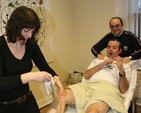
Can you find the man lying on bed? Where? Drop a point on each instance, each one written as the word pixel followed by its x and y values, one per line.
pixel 104 92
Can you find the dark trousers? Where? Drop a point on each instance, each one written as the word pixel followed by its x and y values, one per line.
pixel 28 106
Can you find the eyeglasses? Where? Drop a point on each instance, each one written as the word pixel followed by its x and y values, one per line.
pixel 116 26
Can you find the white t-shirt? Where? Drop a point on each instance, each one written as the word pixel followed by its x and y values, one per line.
pixel 109 73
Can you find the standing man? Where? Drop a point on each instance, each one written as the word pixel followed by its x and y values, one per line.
pixel 131 48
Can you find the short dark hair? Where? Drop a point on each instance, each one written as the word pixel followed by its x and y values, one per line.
pixel 116 39
pixel 22 17
pixel 116 18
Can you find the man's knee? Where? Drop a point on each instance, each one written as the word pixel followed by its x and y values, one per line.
pixel 98 107
pixel 67 97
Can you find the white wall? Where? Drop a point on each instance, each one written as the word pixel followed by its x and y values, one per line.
pixel 62 12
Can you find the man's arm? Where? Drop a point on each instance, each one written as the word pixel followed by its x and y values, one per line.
pixel 98 47
pixel 136 44
pixel 90 72
pixel 123 82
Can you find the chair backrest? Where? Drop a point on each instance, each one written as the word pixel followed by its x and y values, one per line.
pixel 129 94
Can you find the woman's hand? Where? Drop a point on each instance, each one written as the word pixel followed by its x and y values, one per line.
pixel 39 76
pixel 42 76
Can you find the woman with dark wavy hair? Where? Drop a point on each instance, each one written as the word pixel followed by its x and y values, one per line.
pixel 18 47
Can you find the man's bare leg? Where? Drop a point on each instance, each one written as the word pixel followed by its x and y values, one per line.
pixel 66 98
pixel 99 107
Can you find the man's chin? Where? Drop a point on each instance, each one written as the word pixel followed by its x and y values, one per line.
pixel 116 34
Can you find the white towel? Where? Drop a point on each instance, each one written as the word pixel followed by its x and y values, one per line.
pixel 49 88
pixel 51 91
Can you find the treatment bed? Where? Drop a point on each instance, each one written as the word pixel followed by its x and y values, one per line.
pixel 128 95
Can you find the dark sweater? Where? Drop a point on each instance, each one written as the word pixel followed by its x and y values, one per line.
pixel 11 68
pixel 131 45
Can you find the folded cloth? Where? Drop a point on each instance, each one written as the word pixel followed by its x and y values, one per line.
pixel 51 90
pixel 97 91
pixel 49 87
